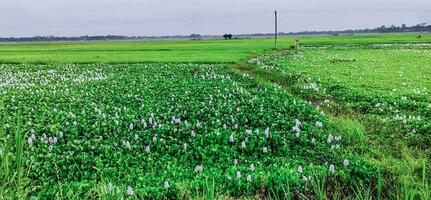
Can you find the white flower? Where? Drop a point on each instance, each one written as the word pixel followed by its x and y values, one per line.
pixel 231 139
pixel 300 169
pixel 50 148
pixel 266 132
pixel 136 137
pixel 238 174
pixel 130 191
pixel 126 143
pixel 32 131
pixel 144 123
pixel 177 120
pixel 248 178
pixel 248 131
pixel 243 144
pixel 199 168
pixel 297 123
pixel 147 149
pixel 331 168
pixel 30 141
pixel 110 187
pixel 265 150
pixel 319 124
pixel 155 138
pixel 224 126
pixel 235 161
pixel 166 184
pixel 296 129
pixel 60 134
pixel 43 139
pixel 330 138
pixel 304 178
pixel 131 126
pixel 252 167
pixel 346 162
pixel 185 145
pixel 52 140
pixel 75 123
pixel 193 134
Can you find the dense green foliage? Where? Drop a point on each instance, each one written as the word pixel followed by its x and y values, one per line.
pixel 354 122
pixel 391 82
pixel 378 96
pixel 93 127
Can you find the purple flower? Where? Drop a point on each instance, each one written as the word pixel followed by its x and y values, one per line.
pixel 238 174
pixel 130 191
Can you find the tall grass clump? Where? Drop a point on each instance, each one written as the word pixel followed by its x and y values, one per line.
pixel 12 179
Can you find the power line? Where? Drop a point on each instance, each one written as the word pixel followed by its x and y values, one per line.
pixel 147 20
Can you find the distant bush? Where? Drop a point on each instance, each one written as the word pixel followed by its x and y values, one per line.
pixel 227 36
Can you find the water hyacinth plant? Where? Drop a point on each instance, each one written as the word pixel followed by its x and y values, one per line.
pixel 376 95
pixel 159 127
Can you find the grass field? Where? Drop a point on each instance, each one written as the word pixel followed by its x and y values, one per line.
pixel 343 117
pixel 205 51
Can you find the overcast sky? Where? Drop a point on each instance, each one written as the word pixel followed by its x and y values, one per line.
pixel 183 17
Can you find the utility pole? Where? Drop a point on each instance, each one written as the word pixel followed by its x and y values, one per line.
pixel 276 30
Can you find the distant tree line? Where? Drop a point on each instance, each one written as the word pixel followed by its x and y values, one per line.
pixel 383 29
pixel 227 36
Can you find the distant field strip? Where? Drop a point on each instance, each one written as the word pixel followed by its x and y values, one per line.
pixel 197 51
